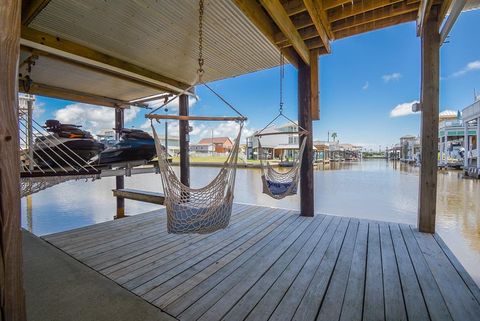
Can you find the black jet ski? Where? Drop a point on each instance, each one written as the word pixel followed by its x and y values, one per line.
pixel 134 146
pixel 66 145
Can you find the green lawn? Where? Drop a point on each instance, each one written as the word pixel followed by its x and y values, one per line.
pixel 212 159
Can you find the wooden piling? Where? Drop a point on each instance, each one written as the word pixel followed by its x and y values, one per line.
pixel 305 120
pixel 184 141
pixel 12 298
pixel 430 44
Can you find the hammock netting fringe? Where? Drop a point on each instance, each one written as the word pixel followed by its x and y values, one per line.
pixel 202 210
pixel 32 185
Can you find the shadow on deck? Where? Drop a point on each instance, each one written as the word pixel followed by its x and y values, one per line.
pixel 273 264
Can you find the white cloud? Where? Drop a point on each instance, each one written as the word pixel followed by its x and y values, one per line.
pixel 38 110
pixel 404 109
pixel 471 66
pixel 393 76
pixel 365 87
pixel 93 118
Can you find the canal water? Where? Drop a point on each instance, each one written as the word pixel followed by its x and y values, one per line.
pixel 373 189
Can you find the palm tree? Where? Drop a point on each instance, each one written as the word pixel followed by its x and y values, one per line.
pixel 334 136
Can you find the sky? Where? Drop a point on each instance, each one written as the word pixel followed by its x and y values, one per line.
pixel 367 86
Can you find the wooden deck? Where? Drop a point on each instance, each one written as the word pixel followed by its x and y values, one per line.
pixel 272 264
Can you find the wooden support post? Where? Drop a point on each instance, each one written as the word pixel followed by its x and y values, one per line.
pixel 427 198
pixel 184 141
pixel 314 84
pixel 119 180
pixel 12 298
pixel 305 121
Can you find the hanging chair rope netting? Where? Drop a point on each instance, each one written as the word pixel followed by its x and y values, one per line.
pixel 201 210
pixel 280 184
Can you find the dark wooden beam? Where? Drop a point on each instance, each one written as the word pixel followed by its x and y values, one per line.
pixel 307 197
pixel 255 13
pixel 396 9
pixel 101 60
pixel 319 18
pixel 314 84
pixel 69 94
pixel 12 297
pixel 378 24
pixel 31 9
pixel 184 134
pixel 429 100
pixel 282 20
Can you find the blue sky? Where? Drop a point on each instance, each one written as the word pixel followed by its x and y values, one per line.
pixel 361 81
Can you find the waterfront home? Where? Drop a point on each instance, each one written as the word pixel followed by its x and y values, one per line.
pixel 471 119
pixel 220 145
pixel 279 147
pixel 410 148
pixel 451 138
pixel 270 263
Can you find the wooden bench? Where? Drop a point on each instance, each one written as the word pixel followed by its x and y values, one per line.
pixel 138 195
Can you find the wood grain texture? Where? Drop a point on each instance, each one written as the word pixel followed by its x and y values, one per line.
pixel 12 299
pixel 272 264
pixel 430 81
pixel 307 199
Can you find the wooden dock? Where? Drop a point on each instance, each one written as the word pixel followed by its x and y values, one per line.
pixel 272 264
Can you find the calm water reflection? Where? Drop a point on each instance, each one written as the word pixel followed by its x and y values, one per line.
pixel 371 189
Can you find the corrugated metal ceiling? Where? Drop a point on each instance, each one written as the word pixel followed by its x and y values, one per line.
pixel 56 73
pixel 162 35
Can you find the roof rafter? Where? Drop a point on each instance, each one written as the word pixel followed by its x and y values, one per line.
pixel 378 24
pixel 255 13
pixel 293 7
pixel 393 10
pixel 320 21
pixel 353 9
pixel 31 8
pixel 281 18
pixel 90 56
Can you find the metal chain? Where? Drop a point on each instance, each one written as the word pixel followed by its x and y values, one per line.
pixel 282 74
pixel 200 38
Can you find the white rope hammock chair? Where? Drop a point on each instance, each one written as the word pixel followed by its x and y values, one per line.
pixel 198 210
pixel 277 184
pixel 201 210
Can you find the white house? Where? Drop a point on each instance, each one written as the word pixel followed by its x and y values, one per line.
pixel 279 147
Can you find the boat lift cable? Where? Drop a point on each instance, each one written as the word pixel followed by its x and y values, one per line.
pixel 41 158
pixel 37 125
pixel 51 158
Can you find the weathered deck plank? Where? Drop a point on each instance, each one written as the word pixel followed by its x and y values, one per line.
pixel 271 264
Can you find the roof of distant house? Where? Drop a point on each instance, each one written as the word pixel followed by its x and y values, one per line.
pixel 214 140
